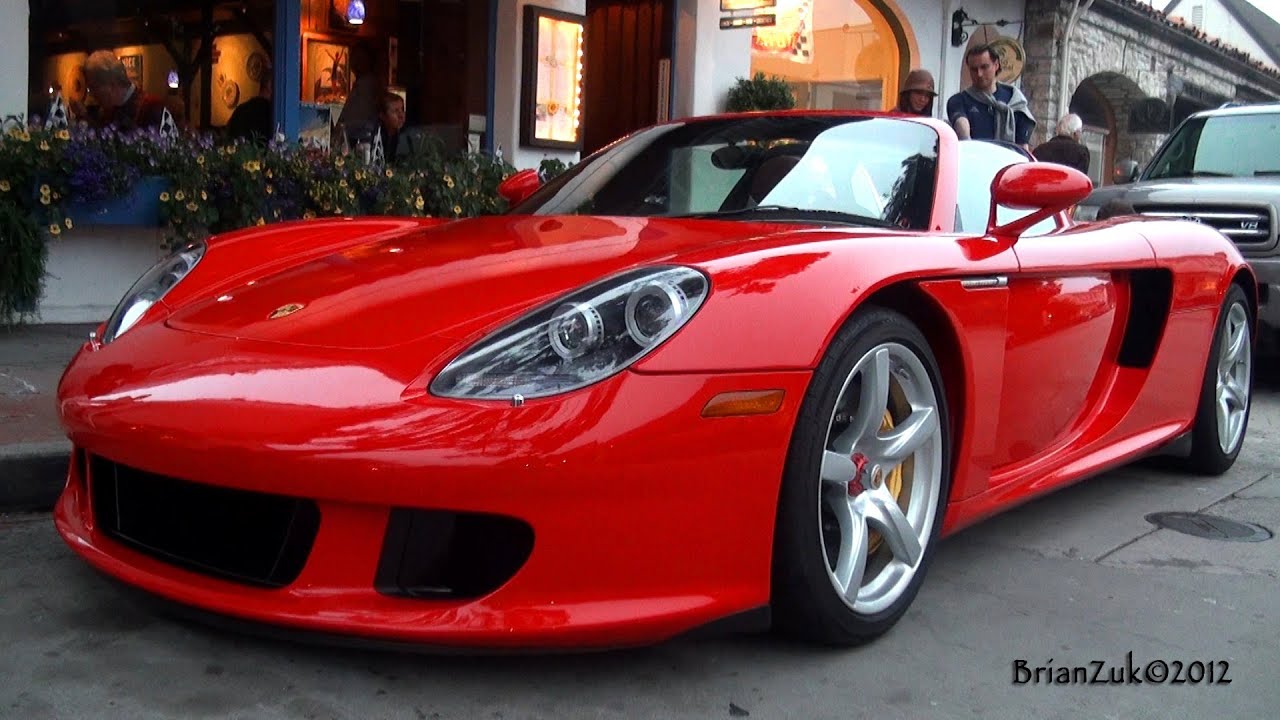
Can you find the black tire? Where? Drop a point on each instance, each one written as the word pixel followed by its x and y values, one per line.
pixel 1207 454
pixel 805 602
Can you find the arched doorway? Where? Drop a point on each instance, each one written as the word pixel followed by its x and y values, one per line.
pixel 837 54
pixel 1121 122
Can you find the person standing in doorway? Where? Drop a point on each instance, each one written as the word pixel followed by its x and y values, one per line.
pixel 1065 148
pixel 989 109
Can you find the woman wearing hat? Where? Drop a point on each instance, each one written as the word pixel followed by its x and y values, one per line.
pixel 916 97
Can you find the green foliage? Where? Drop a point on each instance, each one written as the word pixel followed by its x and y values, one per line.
pixel 551 167
pixel 210 189
pixel 22 255
pixel 760 93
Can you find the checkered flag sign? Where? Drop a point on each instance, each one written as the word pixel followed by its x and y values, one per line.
pixel 791 37
pixel 168 128
pixel 57 119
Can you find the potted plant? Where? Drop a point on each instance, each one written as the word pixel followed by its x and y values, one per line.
pixel 760 93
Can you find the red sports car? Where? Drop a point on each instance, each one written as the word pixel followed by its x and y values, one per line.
pixel 737 368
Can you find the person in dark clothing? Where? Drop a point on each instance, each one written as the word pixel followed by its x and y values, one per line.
pixel 916 97
pixel 252 118
pixel 390 123
pixel 989 109
pixel 1065 148
pixel 121 104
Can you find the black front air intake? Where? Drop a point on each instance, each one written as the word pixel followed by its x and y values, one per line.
pixel 249 537
pixel 450 555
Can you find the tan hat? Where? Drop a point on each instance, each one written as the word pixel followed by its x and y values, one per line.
pixel 919 79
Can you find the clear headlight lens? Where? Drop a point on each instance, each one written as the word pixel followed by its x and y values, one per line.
pixel 578 340
pixel 1086 213
pixel 152 286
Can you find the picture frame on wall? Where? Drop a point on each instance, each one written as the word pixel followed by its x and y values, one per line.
pixel 133 68
pixel 551 78
pixel 326 69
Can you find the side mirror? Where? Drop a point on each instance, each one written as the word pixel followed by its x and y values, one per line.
pixel 519 186
pixel 1044 188
pixel 1126 171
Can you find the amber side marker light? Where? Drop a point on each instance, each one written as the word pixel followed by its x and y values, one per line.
pixel 744 402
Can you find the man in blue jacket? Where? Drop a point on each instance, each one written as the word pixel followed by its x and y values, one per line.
pixel 989 109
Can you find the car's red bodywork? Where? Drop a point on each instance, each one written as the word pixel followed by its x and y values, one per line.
pixel 649 519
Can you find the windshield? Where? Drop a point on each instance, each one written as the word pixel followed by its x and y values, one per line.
pixel 1222 146
pixel 821 169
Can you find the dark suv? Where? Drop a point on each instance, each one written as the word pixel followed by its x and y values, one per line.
pixel 1222 168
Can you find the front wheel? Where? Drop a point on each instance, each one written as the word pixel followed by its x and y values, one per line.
pixel 1226 392
pixel 865 486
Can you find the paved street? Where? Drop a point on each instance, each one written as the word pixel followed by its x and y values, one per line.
pixel 1072 578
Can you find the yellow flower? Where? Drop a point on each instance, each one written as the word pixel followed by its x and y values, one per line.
pixel 418 202
pixel 389 173
pixel 44 145
pixel 164 197
pixel 204 195
pixel 64 135
pixel 179 196
pixel 44 200
pixel 45 190
pixel 308 215
pixel 448 181
pixel 192 207
pixel 199 159
pixel 360 175
pixel 55 229
pixel 342 182
pixel 262 221
pixel 4 186
pixel 68 221
pixel 457 209
pixel 23 136
pixel 269 175
pixel 338 162
pixel 270 189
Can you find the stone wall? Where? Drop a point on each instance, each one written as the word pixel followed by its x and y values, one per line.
pixel 1130 54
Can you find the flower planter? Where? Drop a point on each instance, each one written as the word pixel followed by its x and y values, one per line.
pixel 141 206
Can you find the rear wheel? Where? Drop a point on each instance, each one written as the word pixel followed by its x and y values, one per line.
pixel 861 504
pixel 1226 393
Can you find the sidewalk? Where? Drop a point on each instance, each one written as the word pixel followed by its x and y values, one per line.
pixel 33 448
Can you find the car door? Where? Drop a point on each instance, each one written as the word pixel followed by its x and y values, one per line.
pixel 1066 315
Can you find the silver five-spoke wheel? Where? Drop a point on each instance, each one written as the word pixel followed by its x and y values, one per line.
pixel 881 477
pixel 1235 360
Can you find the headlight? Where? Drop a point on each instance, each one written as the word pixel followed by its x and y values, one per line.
pixel 577 340
pixel 1086 213
pixel 152 286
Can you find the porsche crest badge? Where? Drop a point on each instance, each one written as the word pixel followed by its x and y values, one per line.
pixel 285 311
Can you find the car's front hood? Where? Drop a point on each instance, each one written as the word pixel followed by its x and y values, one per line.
pixel 1191 191
pixel 448 281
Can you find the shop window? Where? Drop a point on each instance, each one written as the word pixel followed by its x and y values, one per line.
pixel 837 54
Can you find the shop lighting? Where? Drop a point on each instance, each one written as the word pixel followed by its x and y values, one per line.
pixel 355 12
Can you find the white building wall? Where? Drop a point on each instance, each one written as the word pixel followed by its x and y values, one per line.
pixel 1221 23
pixel 709 60
pixel 13 38
pixel 508 54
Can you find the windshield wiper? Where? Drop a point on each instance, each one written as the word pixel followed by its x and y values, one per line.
pixel 843 218
pixel 1266 172
pixel 1209 173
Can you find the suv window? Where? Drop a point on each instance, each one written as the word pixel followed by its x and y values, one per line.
pixel 1221 146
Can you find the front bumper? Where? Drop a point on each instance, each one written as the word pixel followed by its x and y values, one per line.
pixel 1267 271
pixel 647 519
